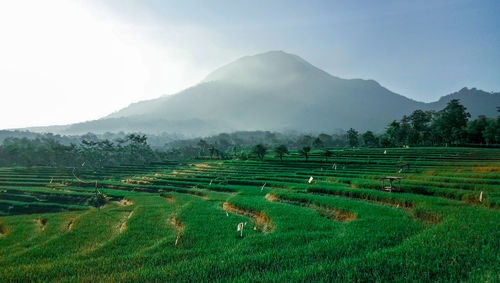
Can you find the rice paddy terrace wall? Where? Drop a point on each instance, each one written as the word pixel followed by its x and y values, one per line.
pixel 175 221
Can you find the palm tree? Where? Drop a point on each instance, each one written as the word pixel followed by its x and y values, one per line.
pixel 281 151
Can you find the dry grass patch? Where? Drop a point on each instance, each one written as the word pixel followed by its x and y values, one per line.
pixel 177 225
pixel 136 182
pixel 487 169
pixel 170 198
pixel 4 230
pixel 70 225
pixel 272 197
pixel 41 223
pixel 259 218
pixel 334 214
pixel 125 202
pixel 122 227
pixel 202 166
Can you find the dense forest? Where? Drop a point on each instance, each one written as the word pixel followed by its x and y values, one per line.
pixel 449 127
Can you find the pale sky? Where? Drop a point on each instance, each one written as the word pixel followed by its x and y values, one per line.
pixel 64 61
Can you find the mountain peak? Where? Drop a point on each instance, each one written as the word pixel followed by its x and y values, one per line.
pixel 273 66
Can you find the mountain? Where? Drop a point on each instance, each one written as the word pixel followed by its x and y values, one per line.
pixel 478 102
pixel 274 91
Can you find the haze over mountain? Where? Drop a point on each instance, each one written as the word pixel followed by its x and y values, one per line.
pixel 273 91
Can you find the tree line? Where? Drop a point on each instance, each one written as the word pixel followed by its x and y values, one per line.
pixel 90 152
pixel 450 126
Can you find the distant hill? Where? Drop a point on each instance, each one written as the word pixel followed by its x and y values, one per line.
pixel 478 102
pixel 274 91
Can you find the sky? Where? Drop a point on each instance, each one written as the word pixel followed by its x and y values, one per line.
pixel 67 61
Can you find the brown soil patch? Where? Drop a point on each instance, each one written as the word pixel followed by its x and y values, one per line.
pixel 259 218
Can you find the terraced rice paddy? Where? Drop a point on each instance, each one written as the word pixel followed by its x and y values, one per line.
pixel 178 221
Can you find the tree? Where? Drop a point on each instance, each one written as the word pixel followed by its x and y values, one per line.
pixel 392 134
pixel 326 139
pixel 326 154
pixel 212 150
pixel 317 143
pixel 404 131
pixel 202 144
pixel 475 129
pixel 305 152
pixel 420 120
pixel 451 122
pixel 305 140
pixel 260 150
pixel 369 139
pixel 281 151
pixel 491 132
pixel 352 137
pixel 420 125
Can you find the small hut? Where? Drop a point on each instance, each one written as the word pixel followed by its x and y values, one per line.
pixel 391 188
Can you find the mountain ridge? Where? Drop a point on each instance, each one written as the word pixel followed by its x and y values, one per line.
pixel 276 91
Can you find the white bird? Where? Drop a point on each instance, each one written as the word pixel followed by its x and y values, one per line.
pixel 310 179
pixel 263 186
pixel 227 214
pixel 210 183
pixel 481 197
pixel 385 151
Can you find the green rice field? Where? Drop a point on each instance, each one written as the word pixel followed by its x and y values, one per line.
pixel 178 221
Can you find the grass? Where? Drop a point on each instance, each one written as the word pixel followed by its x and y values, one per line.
pixel 177 222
